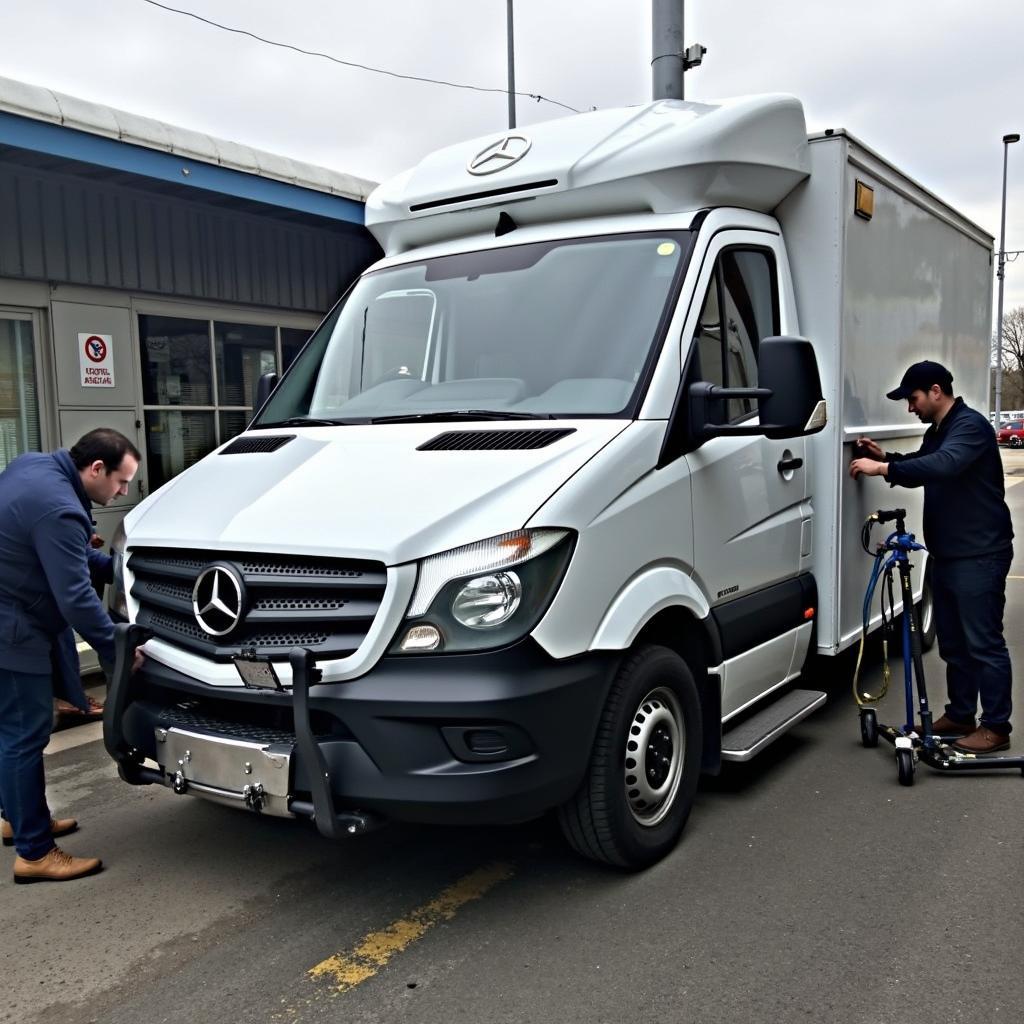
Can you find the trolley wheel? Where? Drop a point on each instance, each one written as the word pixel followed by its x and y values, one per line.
pixel 868 727
pixel 905 767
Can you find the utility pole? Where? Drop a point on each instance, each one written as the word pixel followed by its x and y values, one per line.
pixel 667 49
pixel 511 70
pixel 1008 140
pixel 669 60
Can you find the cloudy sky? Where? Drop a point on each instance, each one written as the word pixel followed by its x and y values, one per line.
pixel 931 84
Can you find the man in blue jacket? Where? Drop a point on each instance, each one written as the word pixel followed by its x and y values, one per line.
pixel 46 591
pixel 970 540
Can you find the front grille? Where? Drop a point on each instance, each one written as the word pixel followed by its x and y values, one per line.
pixel 324 604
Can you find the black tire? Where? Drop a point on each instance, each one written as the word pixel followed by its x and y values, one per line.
pixel 1015 441
pixel 868 727
pixel 905 766
pixel 653 699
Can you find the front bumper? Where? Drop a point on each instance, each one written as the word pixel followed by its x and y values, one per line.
pixel 486 738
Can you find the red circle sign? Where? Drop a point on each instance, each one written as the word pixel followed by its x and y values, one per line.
pixel 95 348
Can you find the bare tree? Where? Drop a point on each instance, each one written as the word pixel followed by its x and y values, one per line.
pixel 1013 358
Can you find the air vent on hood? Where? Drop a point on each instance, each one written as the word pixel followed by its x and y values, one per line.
pixel 491 193
pixel 253 445
pixel 493 440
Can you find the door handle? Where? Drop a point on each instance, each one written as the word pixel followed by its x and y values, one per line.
pixel 788 465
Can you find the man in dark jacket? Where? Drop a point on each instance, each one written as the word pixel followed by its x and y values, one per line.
pixel 969 538
pixel 46 591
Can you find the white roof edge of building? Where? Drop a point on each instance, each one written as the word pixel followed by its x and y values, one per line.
pixel 42 104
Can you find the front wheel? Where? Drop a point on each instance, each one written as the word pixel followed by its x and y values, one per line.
pixel 642 778
pixel 905 766
pixel 1015 441
pixel 869 727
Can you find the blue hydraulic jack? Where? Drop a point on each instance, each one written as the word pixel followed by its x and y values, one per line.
pixel 913 743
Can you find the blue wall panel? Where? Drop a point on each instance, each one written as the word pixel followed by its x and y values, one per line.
pixel 74 230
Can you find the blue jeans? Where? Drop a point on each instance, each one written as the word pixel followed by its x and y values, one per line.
pixel 970 594
pixel 26 718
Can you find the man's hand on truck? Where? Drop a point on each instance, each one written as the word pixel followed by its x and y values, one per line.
pixel 868 459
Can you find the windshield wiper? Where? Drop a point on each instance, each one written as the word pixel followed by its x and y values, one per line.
pixel 303 421
pixel 462 414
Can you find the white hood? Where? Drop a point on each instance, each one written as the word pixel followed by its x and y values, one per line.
pixel 364 492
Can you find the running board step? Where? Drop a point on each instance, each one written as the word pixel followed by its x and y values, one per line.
pixel 751 736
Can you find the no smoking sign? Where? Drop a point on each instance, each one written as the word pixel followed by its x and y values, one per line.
pixel 96 360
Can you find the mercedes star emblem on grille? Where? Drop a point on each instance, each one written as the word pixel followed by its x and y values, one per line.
pixel 508 150
pixel 217 600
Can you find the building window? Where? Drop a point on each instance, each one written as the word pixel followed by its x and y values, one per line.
pixel 19 396
pixel 198 382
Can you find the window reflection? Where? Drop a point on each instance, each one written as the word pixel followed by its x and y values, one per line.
pixel 244 353
pixel 175 361
pixel 175 440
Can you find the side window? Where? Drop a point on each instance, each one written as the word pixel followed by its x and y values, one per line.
pixel 709 336
pixel 740 309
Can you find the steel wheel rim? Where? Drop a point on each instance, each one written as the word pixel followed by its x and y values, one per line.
pixel 653 762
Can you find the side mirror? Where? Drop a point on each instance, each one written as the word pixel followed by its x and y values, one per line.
pixel 264 388
pixel 790 403
pixel 788 369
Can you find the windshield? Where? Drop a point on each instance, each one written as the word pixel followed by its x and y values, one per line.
pixel 560 328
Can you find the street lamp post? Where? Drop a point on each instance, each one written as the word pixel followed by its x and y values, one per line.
pixel 1000 270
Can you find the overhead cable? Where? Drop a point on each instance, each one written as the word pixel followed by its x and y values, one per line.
pixel 353 64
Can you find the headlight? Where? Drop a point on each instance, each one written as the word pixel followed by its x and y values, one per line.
pixel 118 597
pixel 470 598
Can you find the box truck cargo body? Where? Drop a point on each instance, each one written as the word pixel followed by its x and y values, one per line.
pixel 553 508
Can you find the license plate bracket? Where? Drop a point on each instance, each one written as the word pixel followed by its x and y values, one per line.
pixel 257 673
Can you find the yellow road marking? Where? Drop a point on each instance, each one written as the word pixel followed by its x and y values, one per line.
pixel 346 970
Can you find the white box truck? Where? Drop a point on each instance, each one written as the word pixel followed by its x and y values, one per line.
pixel 553 507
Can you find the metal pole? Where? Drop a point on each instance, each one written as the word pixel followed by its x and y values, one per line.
pixel 667 49
pixel 511 71
pixel 1000 271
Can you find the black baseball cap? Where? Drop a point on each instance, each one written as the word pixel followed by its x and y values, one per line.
pixel 921 376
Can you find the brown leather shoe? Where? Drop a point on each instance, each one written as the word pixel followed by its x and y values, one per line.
pixel 55 866
pixel 983 741
pixel 58 827
pixel 945 726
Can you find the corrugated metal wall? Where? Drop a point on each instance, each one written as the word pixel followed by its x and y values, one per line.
pixel 61 228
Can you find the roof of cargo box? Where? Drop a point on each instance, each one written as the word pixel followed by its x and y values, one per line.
pixel 664 157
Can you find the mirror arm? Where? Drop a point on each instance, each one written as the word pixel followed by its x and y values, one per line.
pixel 719 394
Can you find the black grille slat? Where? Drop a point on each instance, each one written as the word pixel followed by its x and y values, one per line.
pixel 176 599
pixel 494 440
pixel 257 445
pixel 367 581
pixel 327 605
pixel 351 612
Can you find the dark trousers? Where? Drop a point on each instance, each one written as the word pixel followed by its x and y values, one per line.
pixel 26 718
pixel 970 594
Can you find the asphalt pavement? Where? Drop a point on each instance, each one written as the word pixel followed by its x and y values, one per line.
pixel 809 885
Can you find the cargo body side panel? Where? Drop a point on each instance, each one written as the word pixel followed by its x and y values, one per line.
pixel 875 296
